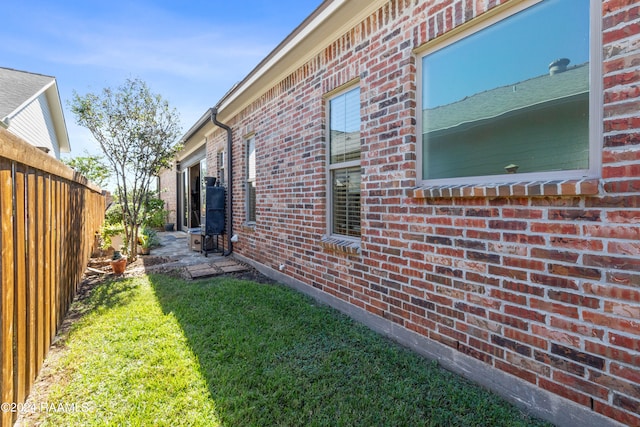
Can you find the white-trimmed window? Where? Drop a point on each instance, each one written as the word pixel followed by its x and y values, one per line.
pixel 512 95
pixel 344 163
pixel 220 168
pixel 251 181
pixel 203 190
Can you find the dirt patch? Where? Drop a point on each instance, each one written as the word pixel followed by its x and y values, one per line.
pixel 102 266
pixel 141 261
pixel 253 275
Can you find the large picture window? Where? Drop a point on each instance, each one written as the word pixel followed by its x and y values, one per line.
pixel 510 98
pixel 344 163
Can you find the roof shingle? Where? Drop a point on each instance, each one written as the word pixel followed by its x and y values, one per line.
pixel 17 87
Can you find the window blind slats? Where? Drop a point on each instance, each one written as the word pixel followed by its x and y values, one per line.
pixel 251 180
pixel 344 146
pixel 346 201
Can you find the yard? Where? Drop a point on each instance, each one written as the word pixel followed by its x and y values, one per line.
pixel 160 350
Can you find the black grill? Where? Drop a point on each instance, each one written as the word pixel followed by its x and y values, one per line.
pixel 215 198
pixel 214 220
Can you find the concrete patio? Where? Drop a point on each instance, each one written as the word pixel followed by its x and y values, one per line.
pixel 175 247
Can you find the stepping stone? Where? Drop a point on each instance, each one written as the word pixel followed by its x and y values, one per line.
pixel 202 270
pixel 198 267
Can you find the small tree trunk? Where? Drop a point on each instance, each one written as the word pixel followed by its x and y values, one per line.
pixel 133 243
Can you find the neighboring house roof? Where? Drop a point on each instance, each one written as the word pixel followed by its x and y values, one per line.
pixel 31 108
pixel 516 97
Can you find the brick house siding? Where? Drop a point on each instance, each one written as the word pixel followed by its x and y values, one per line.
pixel 169 193
pixel 537 280
pixel 213 149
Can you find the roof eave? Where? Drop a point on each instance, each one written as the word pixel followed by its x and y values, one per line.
pixel 202 121
pixel 306 41
pixel 196 136
pixel 57 115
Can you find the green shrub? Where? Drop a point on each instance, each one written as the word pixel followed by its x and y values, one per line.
pixel 113 216
pixel 151 237
pixel 108 231
pixel 155 213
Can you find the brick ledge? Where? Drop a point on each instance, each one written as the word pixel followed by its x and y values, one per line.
pixel 337 244
pixel 248 227
pixel 575 187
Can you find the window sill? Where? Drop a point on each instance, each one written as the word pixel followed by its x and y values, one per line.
pixel 337 244
pixel 576 187
pixel 249 227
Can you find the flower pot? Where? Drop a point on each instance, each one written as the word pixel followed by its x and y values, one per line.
pixel 168 227
pixel 119 265
pixel 143 251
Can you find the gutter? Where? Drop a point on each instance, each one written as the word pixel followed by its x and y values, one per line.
pixel 229 201
pixel 197 126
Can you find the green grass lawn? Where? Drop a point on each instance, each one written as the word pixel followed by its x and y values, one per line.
pixel 159 350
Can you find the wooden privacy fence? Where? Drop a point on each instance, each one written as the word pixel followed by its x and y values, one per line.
pixel 49 217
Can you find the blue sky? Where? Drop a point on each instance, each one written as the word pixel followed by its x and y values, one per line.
pixel 190 52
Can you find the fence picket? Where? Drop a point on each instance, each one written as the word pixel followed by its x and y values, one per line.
pixel 32 278
pixel 20 283
pixel 41 249
pixel 7 298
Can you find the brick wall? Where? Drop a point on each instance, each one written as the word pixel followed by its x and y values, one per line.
pixel 169 193
pixel 538 280
pixel 213 148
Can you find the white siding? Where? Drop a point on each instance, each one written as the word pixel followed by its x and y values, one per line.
pixel 34 124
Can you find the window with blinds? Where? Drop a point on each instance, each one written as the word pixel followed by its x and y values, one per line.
pixel 220 168
pixel 344 163
pixel 346 201
pixel 251 180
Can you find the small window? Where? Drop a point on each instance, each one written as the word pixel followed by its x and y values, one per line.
pixel 220 167
pixel 185 198
pixel 510 98
pixel 203 190
pixel 344 163
pixel 251 180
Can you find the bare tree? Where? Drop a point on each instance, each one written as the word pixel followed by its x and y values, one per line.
pixel 137 131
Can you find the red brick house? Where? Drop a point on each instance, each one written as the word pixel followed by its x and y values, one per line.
pixel 462 176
